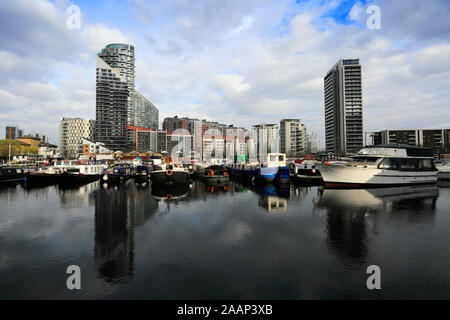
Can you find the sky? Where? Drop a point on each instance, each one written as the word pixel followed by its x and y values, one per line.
pixel 240 62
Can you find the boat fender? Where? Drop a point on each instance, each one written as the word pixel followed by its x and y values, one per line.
pixel 210 173
pixel 225 173
pixel 169 172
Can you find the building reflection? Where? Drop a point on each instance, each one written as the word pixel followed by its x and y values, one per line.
pixel 349 213
pixel 75 196
pixel 119 210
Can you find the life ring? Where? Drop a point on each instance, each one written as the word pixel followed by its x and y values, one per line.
pixel 169 172
pixel 210 173
pixel 225 173
pixel 169 197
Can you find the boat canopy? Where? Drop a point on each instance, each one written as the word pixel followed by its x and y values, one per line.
pixel 411 151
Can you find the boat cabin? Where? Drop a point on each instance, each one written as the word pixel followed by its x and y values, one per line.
pixel 273 160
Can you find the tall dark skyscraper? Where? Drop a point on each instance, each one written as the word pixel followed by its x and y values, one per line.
pixel 344 107
pixel 120 109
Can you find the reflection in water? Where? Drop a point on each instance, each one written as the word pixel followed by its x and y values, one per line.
pixel 77 195
pixel 348 211
pixel 274 198
pixel 118 210
pixel 443 183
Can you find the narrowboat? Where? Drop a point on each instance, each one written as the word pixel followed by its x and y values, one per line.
pixel 46 175
pixel 117 174
pixel 142 174
pixel 386 165
pixel 211 174
pixel 77 174
pixel 169 174
pixel 11 174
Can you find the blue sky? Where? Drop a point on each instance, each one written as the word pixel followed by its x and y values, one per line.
pixel 237 62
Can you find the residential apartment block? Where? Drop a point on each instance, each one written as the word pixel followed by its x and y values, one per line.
pixel 71 134
pixel 343 107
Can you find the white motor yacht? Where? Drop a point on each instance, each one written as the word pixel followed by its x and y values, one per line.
pixel 382 165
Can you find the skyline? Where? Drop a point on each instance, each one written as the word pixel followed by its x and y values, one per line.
pixel 235 63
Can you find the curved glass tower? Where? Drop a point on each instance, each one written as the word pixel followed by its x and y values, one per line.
pixel 120 56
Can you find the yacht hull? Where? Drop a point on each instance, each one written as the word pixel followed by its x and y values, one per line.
pixel 341 176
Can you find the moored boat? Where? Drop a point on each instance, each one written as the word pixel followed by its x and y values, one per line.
pixel 169 174
pixel 117 174
pixel 11 174
pixel 77 174
pixel 45 175
pixel 382 166
pixel 266 171
pixel 142 174
pixel 305 172
pixel 211 174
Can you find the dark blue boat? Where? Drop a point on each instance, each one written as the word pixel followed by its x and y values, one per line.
pixel 142 174
pixel 118 174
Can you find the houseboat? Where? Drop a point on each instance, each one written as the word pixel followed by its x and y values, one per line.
pixel 382 166
pixel 80 173
pixel 305 172
pixel 169 174
pixel 142 174
pixel 11 174
pixel 44 175
pixel 212 173
pixel 117 174
pixel 272 168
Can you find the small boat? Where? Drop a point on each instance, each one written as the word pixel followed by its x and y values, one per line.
pixel 189 169
pixel 142 174
pixel 45 175
pixel 117 174
pixel 211 174
pixel 11 174
pixel 444 171
pixel 305 172
pixel 384 165
pixel 266 171
pixel 77 174
pixel 169 174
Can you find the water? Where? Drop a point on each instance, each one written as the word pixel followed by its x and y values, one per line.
pixel 231 242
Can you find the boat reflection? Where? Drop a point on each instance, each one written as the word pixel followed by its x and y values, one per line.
pixel 350 213
pixel 275 197
pixel 119 209
pixel 172 192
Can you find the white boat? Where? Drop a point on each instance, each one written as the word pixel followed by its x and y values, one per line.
pixel 382 165
pixel 444 171
pixel 74 172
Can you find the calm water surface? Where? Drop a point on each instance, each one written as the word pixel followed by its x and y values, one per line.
pixel 234 242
